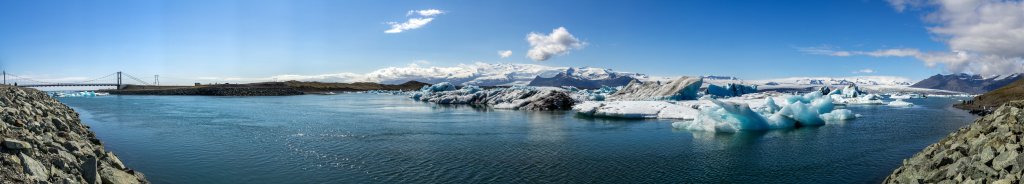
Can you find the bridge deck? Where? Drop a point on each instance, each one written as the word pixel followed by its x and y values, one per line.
pixel 60 84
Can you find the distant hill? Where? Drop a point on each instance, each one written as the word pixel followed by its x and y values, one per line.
pixel 985 103
pixel 485 74
pixel 264 88
pixel 975 84
pixel 571 78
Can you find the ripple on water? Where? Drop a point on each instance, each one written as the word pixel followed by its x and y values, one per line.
pixel 359 138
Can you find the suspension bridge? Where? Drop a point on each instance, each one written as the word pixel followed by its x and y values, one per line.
pixel 115 79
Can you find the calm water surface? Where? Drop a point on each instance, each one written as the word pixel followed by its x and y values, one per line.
pixel 365 138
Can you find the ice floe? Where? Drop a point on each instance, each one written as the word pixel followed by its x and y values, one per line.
pixel 900 103
pixel 638 109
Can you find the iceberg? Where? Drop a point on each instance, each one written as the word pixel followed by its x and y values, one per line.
pixel 839 115
pixel 850 91
pixel 811 109
pixel 444 86
pixel 900 103
pixel 684 88
pixel 637 109
pixel 516 97
pixel 599 94
pixel 730 90
pixel 733 117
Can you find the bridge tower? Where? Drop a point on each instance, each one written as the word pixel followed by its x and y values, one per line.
pixel 118 79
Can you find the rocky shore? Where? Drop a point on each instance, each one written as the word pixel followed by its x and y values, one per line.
pixel 986 151
pixel 45 142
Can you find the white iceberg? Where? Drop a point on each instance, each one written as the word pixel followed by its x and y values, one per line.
pixel 900 103
pixel 683 88
pixel 811 109
pixel 638 109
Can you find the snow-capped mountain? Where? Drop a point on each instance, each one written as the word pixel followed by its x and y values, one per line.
pixel 858 80
pixel 968 83
pixel 480 74
pixel 589 78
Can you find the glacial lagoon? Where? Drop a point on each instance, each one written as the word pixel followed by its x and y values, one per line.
pixel 368 138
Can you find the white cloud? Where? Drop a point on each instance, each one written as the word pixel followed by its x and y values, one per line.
pixel 863 71
pixel 505 53
pixel 558 42
pixel 983 36
pixel 414 23
pixel 425 13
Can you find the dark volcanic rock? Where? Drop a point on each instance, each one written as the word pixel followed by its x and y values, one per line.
pixel 975 84
pixel 45 142
pixel 986 151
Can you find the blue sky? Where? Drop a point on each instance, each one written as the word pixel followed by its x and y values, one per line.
pixel 253 38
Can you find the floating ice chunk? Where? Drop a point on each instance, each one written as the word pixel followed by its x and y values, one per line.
pixel 804 114
pixel 684 88
pixel 770 106
pixel 470 88
pixel 730 90
pixel 443 86
pixel 810 109
pixel 900 103
pixel 636 109
pixel 725 117
pixel 839 115
pixel 516 97
pixel 900 96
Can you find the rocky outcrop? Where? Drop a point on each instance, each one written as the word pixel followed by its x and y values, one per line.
pixel 986 103
pixel 684 88
pixel 45 142
pixel 986 151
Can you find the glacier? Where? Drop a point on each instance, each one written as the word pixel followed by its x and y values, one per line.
pixel 683 88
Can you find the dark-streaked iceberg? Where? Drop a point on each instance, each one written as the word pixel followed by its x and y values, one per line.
pixel 731 90
pixel 684 88
pixel 516 97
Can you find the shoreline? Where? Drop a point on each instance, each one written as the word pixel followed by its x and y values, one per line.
pixel 262 89
pixel 45 141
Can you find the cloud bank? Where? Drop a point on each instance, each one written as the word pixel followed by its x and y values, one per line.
pixel 983 36
pixel 426 16
pixel 558 42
